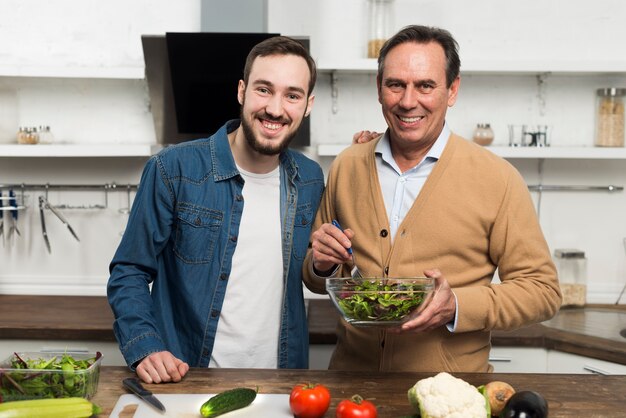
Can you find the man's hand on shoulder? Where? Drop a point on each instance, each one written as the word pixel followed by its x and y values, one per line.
pixel 161 367
pixel 362 137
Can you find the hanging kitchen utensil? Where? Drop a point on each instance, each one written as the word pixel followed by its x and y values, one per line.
pixel 1 217
pixel 43 222
pixel 59 215
pixel 13 204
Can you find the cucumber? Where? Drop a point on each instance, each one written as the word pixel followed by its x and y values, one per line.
pixel 227 401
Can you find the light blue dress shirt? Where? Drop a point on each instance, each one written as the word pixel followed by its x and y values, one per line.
pixel 401 189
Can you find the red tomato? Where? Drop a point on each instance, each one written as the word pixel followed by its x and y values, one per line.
pixel 356 407
pixel 309 400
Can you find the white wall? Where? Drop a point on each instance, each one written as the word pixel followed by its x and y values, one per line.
pixel 96 34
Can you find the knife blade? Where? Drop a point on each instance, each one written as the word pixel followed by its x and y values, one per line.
pixel 134 385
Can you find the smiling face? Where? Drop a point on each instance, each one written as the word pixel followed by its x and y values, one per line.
pixel 414 95
pixel 274 102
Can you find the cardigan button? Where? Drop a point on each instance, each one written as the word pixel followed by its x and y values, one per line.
pixel 384 233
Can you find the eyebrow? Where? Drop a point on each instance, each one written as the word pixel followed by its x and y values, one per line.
pixel 399 81
pixel 270 84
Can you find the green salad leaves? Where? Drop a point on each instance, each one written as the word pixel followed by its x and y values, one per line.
pixel 379 301
pixel 58 376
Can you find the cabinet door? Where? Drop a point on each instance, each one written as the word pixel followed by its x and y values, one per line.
pixel 559 362
pixel 518 360
pixel 319 356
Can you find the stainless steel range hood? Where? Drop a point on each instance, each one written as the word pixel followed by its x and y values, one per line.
pixel 192 81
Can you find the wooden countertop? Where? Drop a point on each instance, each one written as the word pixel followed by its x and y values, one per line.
pixel 90 318
pixel 567 395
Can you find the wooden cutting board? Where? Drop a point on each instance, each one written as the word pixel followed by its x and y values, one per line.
pixel 188 406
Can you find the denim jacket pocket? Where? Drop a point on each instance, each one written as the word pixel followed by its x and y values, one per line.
pixel 302 230
pixel 197 230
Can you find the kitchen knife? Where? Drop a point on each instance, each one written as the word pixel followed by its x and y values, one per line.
pixel 134 385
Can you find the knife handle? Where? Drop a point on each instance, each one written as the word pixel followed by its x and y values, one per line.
pixel 135 386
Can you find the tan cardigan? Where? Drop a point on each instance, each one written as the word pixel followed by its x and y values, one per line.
pixel 473 215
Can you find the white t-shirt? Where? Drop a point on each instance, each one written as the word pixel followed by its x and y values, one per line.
pixel 249 324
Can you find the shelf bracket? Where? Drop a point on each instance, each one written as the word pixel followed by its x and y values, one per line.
pixel 334 92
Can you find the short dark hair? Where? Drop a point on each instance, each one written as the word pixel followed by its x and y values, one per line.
pixel 280 45
pixel 423 35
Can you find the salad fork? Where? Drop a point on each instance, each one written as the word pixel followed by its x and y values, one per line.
pixel 355 273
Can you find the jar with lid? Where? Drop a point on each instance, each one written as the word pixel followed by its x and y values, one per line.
pixel 483 134
pixel 610 117
pixel 380 25
pixel 27 135
pixel 45 135
pixel 571 266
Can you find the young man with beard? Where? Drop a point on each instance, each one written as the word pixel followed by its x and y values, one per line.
pixel 219 229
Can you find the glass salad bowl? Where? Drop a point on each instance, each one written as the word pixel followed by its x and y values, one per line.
pixel 380 302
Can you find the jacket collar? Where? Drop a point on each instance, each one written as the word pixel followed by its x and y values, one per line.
pixel 224 166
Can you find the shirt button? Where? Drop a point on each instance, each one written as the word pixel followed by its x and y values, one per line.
pixel 223 276
pixel 383 233
pixel 198 221
pixel 214 313
pixel 233 238
pixel 239 198
pixel 205 352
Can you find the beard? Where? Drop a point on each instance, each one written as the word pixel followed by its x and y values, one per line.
pixel 258 146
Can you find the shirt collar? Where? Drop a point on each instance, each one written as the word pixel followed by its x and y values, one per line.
pixel 383 148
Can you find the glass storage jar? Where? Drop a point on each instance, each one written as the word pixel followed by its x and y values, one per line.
pixel 610 117
pixel 483 134
pixel 380 25
pixel 571 266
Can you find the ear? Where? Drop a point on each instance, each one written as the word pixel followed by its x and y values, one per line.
pixel 241 91
pixel 309 105
pixel 378 86
pixel 453 91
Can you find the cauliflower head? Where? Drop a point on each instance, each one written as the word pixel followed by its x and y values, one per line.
pixel 445 396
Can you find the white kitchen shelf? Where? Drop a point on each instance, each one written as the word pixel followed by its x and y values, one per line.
pixel 131 73
pixel 369 65
pixel 587 153
pixel 78 150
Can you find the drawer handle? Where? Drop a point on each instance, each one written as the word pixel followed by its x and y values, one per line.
pixel 595 370
pixel 501 359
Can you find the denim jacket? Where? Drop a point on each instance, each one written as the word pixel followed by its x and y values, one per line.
pixel 180 239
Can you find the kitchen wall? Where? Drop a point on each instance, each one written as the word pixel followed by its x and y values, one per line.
pixel 74 34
